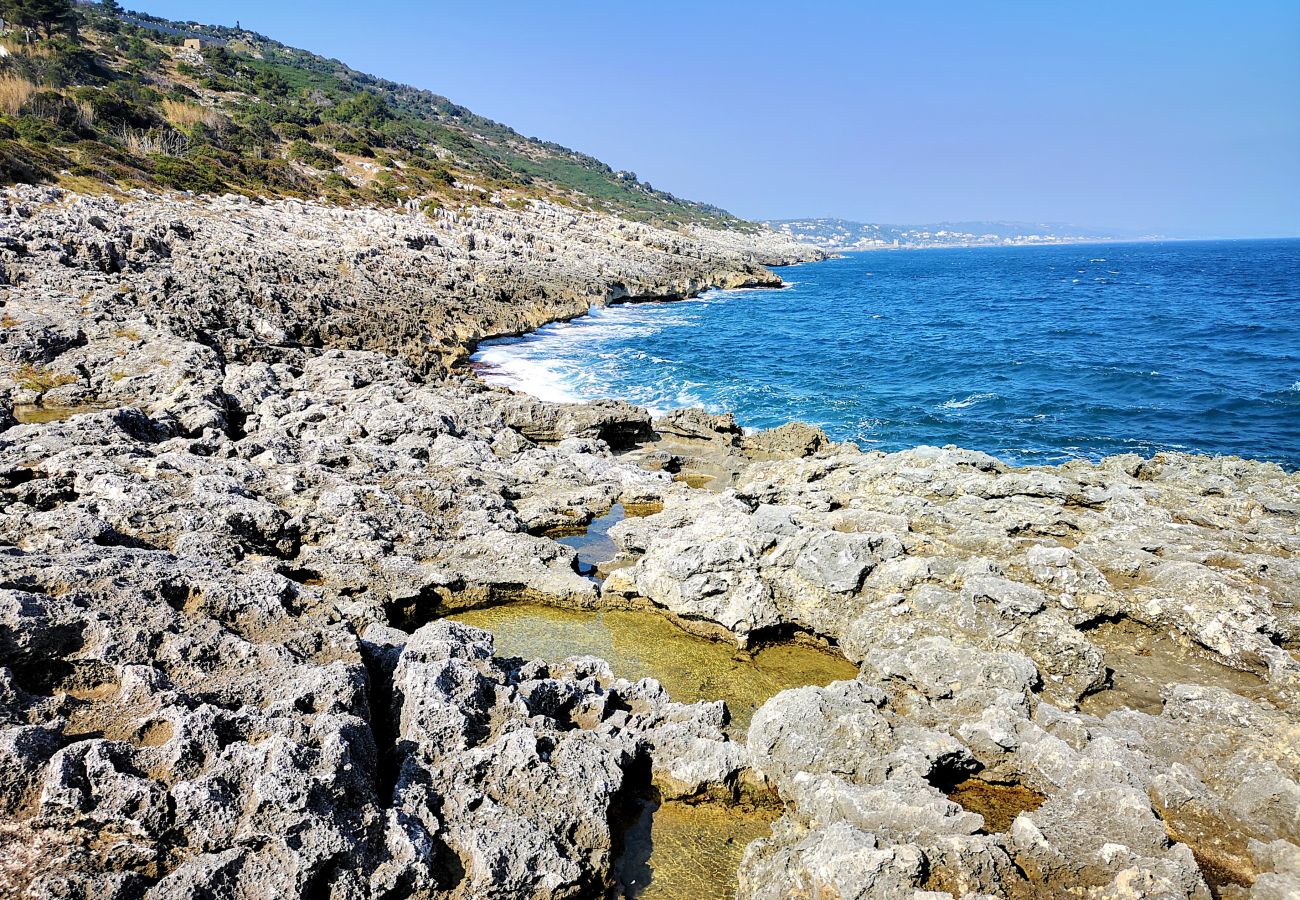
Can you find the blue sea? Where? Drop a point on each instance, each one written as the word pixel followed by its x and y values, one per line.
pixel 1034 354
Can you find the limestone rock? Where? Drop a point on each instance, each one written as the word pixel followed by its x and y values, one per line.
pixel 252 489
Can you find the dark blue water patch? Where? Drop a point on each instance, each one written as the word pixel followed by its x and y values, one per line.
pixel 1034 354
pixel 594 545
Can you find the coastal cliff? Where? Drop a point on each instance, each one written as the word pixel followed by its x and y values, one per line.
pixel 244 480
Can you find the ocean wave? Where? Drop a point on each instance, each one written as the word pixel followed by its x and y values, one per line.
pixel 967 401
pixel 541 379
pixel 1073 377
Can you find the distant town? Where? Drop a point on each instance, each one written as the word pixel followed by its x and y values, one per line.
pixel 841 234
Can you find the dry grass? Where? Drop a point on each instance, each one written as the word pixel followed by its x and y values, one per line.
pixel 83 184
pixel 14 93
pixel 32 51
pixel 141 141
pixel 86 112
pixel 186 115
pixel 40 379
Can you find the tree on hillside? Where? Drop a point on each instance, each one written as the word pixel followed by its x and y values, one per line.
pixel 47 16
pixel 363 109
pixel 112 7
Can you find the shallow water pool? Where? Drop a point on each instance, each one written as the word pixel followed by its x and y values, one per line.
pixel 640 644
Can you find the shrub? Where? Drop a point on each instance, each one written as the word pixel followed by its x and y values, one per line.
pixel 220 83
pixel 63 114
pixel 269 82
pixel 21 164
pixel 106 163
pixel 219 59
pixel 153 141
pixel 304 152
pixel 39 379
pixel 185 175
pixel 36 131
pixel 363 109
pixel 120 104
pixel 289 131
pixel 356 148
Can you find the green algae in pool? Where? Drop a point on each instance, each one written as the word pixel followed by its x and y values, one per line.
pixel 35 414
pixel 679 851
pixel 640 644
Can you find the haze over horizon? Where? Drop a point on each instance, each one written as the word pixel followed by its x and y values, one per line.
pixel 1179 119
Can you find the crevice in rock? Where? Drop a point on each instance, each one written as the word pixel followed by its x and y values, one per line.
pixel 682 849
pixel 1101 620
pixel 236 420
pixel 305 577
pixel 791 633
pixel 951 771
pixel 80 679
pixel 14 477
pixel 630 819
pixel 114 538
pixel 380 661
pixel 439 601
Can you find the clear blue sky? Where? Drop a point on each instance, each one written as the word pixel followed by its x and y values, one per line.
pixel 1176 117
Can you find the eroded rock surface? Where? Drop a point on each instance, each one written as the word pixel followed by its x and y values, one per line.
pixel 254 489
pixel 980 601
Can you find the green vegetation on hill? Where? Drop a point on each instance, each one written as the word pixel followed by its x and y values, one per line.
pixel 96 98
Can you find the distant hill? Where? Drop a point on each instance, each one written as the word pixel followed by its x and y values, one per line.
pixel 95 97
pixel 841 234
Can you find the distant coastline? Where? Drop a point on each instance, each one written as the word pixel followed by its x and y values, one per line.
pixel 843 235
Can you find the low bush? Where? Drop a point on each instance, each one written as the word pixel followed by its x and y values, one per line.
pixel 187 175
pixel 311 155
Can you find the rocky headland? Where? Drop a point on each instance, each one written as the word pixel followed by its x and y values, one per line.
pixel 244 479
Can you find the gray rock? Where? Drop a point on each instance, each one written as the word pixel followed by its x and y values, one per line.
pixel 258 486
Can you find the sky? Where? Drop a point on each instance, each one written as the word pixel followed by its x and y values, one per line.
pixel 1155 117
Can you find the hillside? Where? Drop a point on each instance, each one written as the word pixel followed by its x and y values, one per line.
pixel 841 234
pixel 106 99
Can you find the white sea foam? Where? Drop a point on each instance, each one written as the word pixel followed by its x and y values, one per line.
pixel 967 401
pixel 540 378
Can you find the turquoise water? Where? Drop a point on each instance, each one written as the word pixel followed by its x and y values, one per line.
pixel 1034 354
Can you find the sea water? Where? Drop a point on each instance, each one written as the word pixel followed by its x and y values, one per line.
pixel 1034 354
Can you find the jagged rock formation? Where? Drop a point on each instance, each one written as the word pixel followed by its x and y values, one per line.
pixel 982 603
pixel 251 279
pixel 252 485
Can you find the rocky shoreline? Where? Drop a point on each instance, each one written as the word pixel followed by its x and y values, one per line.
pixel 244 480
